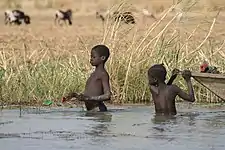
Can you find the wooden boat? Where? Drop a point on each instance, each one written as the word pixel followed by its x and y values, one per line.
pixel 213 82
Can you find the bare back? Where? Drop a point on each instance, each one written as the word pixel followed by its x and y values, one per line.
pixel 163 94
pixel 164 99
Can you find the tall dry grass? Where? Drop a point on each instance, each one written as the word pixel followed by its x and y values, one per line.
pixel 47 62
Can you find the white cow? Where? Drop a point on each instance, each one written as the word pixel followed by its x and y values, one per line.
pixel 10 17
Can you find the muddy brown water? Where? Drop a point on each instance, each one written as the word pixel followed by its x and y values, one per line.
pixel 133 128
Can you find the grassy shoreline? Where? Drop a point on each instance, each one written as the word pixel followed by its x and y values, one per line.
pixel 42 61
pixel 179 106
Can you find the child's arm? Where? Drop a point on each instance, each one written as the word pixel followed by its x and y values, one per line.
pixel 190 96
pixel 106 88
pixel 173 77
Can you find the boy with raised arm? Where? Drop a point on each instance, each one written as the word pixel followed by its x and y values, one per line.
pixel 164 94
pixel 97 87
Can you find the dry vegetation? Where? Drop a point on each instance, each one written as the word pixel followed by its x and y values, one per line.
pixel 43 61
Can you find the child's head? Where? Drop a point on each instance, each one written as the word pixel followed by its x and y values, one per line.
pixel 99 55
pixel 157 73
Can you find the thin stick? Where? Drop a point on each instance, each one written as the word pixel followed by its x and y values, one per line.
pixel 20 108
pixel 154 26
pixel 2 102
pixel 209 33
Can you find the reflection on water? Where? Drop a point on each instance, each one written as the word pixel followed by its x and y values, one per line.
pixel 99 129
pixel 134 128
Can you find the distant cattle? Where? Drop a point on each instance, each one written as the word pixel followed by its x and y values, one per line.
pixel 126 17
pixel 16 17
pixel 149 14
pixel 63 15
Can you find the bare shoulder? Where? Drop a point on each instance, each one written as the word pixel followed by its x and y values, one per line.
pixel 104 74
pixel 174 87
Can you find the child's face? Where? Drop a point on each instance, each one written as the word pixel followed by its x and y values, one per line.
pixel 152 80
pixel 96 59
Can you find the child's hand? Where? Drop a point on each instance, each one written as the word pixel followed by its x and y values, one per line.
pixel 186 74
pixel 175 72
pixel 69 97
pixel 64 99
pixel 81 97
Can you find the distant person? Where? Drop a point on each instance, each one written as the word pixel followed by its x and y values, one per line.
pixel 164 94
pixel 205 68
pixel 97 87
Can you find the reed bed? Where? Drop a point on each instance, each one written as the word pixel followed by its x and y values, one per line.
pixel 46 62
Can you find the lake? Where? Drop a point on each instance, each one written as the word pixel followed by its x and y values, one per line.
pixel 133 128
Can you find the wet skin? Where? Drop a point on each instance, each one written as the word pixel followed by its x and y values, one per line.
pixel 164 95
pixel 97 87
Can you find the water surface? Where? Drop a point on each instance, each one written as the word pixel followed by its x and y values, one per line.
pixel 133 128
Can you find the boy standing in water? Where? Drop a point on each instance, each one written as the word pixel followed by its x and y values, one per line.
pixel 97 87
pixel 164 94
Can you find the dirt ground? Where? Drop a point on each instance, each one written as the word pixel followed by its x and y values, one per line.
pixel 85 22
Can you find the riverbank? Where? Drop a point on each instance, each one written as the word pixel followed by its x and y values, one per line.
pixel 44 61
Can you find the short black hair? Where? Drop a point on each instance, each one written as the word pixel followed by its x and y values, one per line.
pixel 158 71
pixel 102 50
